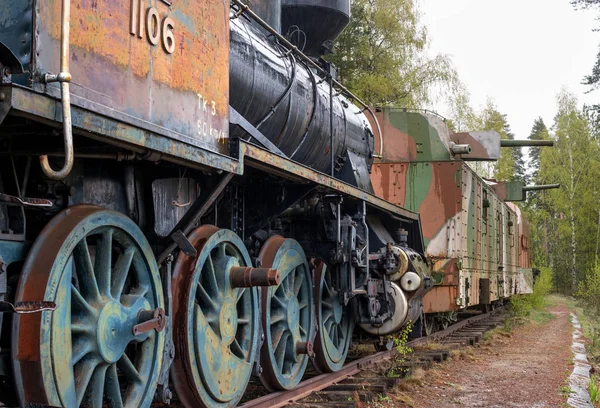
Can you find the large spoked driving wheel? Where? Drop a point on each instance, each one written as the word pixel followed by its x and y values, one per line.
pixel 287 315
pixel 99 269
pixel 216 325
pixel 335 323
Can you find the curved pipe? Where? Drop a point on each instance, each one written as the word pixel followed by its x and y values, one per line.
pixel 64 78
pixel 245 9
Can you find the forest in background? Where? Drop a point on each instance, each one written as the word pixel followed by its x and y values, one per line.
pixel 384 58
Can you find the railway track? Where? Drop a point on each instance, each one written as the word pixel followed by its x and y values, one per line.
pixel 356 379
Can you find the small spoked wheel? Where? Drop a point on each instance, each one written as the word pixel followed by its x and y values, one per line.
pixel 287 315
pixel 99 269
pixel 216 326
pixel 334 321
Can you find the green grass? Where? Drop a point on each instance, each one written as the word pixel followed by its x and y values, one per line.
pixel 593 387
pixel 530 308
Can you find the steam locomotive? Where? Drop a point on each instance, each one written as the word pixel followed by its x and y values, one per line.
pixel 212 216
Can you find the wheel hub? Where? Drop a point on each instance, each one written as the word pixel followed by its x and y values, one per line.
pixel 114 331
pixel 293 312
pixel 228 320
pixel 338 311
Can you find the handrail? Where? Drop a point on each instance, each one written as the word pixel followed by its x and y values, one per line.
pixel 64 77
pixel 294 49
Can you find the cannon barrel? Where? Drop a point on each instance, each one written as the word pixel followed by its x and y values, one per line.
pixel 541 187
pixel 525 143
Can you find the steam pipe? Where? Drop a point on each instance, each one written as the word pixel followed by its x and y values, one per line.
pixel 541 187
pixel 64 77
pixel 245 9
pixel 525 143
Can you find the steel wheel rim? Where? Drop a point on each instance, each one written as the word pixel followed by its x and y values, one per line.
pixel 335 324
pixel 288 312
pixel 216 326
pixel 101 272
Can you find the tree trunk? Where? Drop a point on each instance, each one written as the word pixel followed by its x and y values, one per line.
pixel 572 219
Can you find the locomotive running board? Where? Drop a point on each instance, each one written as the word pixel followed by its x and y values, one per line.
pixel 262 159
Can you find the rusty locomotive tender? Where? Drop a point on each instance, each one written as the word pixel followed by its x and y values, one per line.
pixel 212 216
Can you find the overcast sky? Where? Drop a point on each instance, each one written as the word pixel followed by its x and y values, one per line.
pixel 518 52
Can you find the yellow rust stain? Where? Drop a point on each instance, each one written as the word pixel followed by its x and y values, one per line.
pixel 199 63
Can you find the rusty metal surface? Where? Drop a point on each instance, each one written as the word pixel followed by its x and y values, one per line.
pixel 97 121
pixel 248 277
pixel 26 307
pixel 24 202
pixel 179 63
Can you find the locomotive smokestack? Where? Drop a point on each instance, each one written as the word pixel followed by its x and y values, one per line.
pixel 269 11
pixel 313 25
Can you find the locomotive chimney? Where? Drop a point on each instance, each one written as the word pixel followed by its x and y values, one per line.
pixel 269 11
pixel 313 25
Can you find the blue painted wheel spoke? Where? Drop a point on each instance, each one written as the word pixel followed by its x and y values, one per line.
pixel 205 301
pixel 81 347
pixel 240 293
pixel 80 304
pixel 103 261
pixel 328 305
pixel 112 388
pixel 277 337
pixel 96 387
pixel 210 277
pixel 243 320
pixel 302 304
pixel 303 332
pixel 280 349
pixel 288 366
pixel 278 303
pixel 82 328
pixel 85 272
pixel 237 349
pixel 328 326
pixel 298 284
pixel 292 281
pixel 83 374
pixel 121 271
pixel 327 315
pixel 277 316
pixel 129 370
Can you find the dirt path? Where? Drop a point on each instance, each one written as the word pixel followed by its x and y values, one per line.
pixel 526 368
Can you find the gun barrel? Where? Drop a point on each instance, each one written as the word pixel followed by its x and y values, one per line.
pixel 541 187
pixel 525 143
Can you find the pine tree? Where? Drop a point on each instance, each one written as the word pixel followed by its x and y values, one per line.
pixel 538 132
pixel 519 173
pixel 506 166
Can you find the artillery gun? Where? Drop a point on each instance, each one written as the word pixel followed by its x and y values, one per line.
pixel 469 231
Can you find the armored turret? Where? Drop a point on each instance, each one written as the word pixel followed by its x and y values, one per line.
pixel 516 190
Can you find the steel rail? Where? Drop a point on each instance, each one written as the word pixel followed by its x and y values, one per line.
pixel 246 9
pixel 320 382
